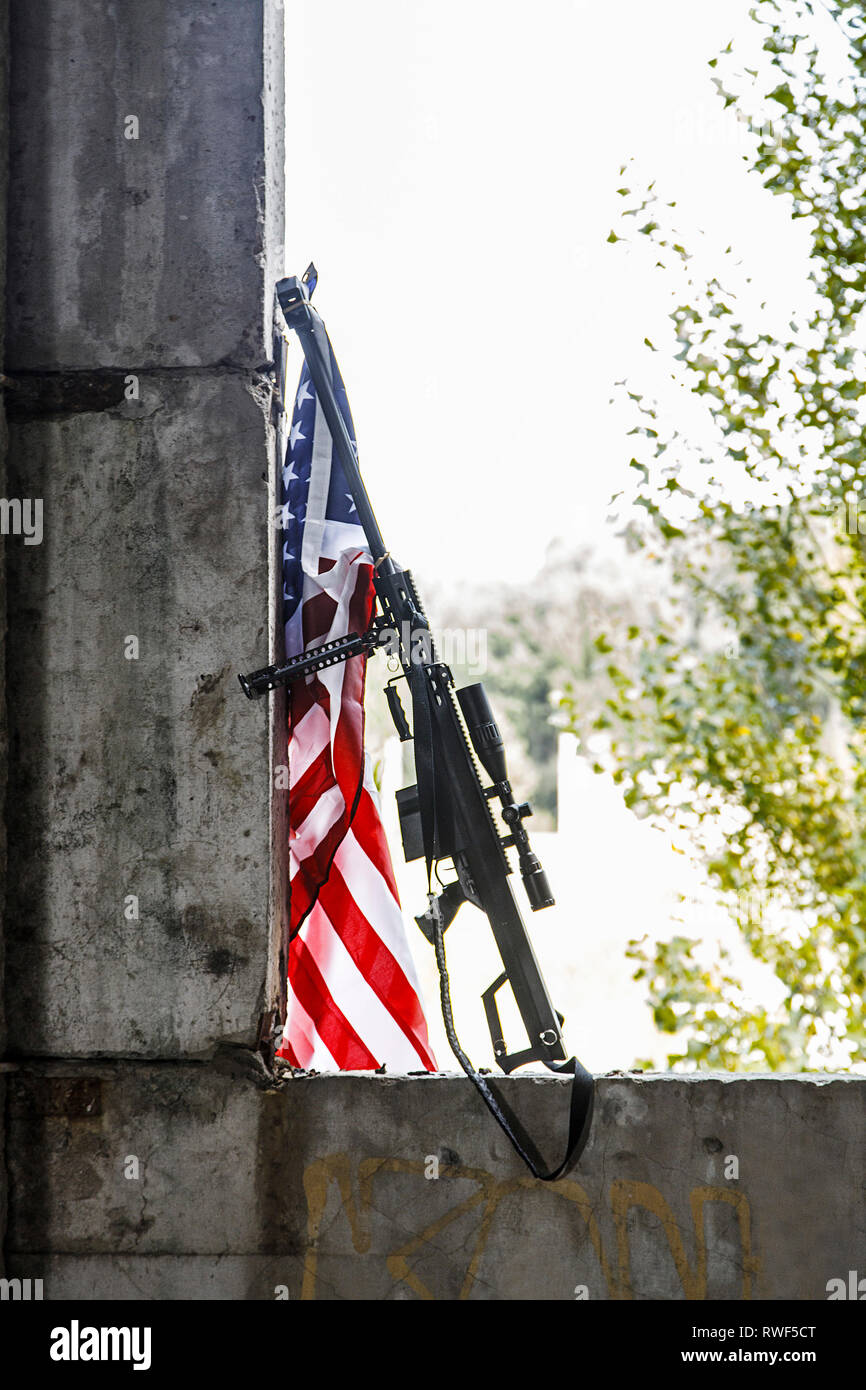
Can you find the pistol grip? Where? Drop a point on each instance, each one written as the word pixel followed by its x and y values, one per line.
pixel 449 901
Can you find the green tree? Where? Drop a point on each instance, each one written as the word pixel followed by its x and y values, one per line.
pixel 741 715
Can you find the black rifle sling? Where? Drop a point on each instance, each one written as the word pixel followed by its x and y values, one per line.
pixel 582 1090
pixel 431 801
pixel 425 765
pixel 582 1086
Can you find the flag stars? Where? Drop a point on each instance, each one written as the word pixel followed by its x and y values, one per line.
pixel 295 434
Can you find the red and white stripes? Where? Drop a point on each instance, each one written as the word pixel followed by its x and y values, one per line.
pixel 353 994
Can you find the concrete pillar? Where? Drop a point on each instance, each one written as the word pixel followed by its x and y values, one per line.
pixel 145 234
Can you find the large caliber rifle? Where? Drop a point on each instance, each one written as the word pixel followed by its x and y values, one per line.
pixel 448 815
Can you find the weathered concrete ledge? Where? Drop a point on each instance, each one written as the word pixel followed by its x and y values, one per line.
pixel 181 1180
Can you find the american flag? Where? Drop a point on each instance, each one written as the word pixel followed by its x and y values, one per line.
pixel 353 995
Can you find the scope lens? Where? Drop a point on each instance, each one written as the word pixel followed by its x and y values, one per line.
pixel 538 889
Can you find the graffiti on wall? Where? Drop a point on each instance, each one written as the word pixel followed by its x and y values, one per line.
pixel 487 1199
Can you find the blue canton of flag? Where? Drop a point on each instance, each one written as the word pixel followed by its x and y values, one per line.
pixel 339 511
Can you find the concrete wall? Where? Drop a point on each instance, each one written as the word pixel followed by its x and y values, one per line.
pixel 753 1188
pixel 141 277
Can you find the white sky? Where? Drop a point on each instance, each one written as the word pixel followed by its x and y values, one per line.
pixel 452 170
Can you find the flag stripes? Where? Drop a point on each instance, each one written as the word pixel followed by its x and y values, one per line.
pixel 353 995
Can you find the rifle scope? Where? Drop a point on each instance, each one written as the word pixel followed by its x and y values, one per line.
pixel 488 745
pixel 483 731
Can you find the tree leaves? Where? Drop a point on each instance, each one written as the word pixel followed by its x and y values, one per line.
pixel 766 719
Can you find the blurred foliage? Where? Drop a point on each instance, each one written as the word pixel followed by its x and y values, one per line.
pixel 536 640
pixel 741 714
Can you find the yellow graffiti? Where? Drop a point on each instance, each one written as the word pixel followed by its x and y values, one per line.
pixel 489 1193
pixel 624 1195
